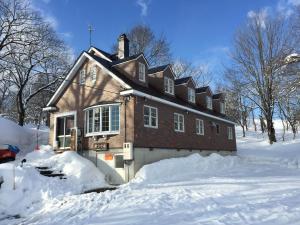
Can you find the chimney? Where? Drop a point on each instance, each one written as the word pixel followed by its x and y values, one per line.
pixel 123 46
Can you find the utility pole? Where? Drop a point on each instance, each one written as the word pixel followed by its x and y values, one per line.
pixel 90 29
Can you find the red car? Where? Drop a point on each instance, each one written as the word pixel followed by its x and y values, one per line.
pixel 7 153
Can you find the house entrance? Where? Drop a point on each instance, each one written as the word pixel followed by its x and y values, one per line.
pixel 64 124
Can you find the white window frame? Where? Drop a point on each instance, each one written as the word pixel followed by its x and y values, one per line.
pixel 191 95
pixel 150 116
pixel 82 76
pixel 169 85
pixel 199 127
pixel 209 102
pixel 94 74
pixel 230 133
pixel 86 122
pixel 142 72
pixel 178 115
pixel 222 107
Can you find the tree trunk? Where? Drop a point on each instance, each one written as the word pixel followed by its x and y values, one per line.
pixel 244 133
pixel 253 119
pixel 21 109
pixel 283 125
pixel 271 130
pixel 262 124
pixel 294 129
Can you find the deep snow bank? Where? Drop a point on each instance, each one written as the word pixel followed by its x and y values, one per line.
pixel 26 138
pixel 32 189
pixel 185 168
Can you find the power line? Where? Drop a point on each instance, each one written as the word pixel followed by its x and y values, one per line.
pixel 64 79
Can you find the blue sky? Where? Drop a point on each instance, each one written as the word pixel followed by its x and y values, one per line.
pixel 200 31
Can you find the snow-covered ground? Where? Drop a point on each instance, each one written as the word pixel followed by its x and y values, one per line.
pixel 259 186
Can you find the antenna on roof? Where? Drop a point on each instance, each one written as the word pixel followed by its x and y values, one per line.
pixel 90 29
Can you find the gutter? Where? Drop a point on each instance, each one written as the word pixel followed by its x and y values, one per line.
pixel 142 94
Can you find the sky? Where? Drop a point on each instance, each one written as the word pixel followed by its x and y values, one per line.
pixel 200 31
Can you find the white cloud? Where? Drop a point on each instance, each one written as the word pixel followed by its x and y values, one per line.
pixel 66 35
pixel 294 2
pixel 144 6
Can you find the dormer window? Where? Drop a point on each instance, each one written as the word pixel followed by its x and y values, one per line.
pixel 94 74
pixel 169 85
pixel 191 95
pixel 222 107
pixel 82 76
pixel 142 72
pixel 208 102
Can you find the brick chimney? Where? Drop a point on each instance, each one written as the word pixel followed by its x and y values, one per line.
pixel 123 46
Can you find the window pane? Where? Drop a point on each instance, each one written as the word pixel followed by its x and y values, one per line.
pixel 90 121
pixel 69 124
pixel 105 118
pixel 60 142
pixel 96 119
pixel 60 126
pixel 146 115
pixel 114 115
pixel 119 159
pixel 67 141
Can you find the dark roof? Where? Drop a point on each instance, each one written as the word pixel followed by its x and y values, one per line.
pixel 106 54
pixel 182 80
pixel 201 89
pixel 126 59
pixel 152 91
pixel 157 69
pixel 217 96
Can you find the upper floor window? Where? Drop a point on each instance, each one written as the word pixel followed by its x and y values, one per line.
pixel 229 133
pixel 169 85
pixel 101 120
pixel 191 95
pixel 199 127
pixel 150 116
pixel 94 73
pixel 222 107
pixel 208 102
pixel 142 72
pixel 178 122
pixel 82 76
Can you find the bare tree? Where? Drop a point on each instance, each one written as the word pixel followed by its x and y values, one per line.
pixel 259 52
pixel 155 48
pixel 200 73
pixel 35 67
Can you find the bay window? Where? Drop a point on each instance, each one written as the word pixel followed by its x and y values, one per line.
pixel 101 120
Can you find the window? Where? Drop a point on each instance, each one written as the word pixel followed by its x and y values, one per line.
pixel 150 116
pixel 199 127
pixel 191 95
pixel 82 76
pixel 119 161
pixel 169 85
pixel 94 73
pixel 217 128
pixel 142 72
pixel 63 131
pixel 230 134
pixel 208 102
pixel 178 122
pixel 222 107
pixel 103 120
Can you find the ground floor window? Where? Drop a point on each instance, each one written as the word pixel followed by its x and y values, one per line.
pixel 104 119
pixel 178 122
pixel 64 125
pixel 230 134
pixel 199 127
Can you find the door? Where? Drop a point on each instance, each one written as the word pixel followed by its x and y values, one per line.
pixel 64 124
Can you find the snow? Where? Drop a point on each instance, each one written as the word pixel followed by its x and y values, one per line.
pixel 33 190
pixel 261 185
pixel 24 137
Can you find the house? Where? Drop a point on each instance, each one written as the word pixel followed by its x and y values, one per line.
pixel 118 112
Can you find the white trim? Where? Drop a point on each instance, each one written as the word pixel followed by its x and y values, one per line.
pixel 132 60
pixel 142 72
pixel 96 50
pixel 73 71
pixel 183 126
pixel 156 120
pixel 168 80
pixel 141 94
pixel 49 108
pixel 99 105
pixel 191 95
pixel 62 114
pixel 229 133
